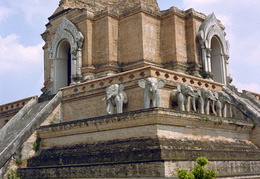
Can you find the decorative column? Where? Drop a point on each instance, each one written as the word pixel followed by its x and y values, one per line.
pixel 79 41
pixel 206 60
pixel 209 74
pixel 229 78
pixel 73 67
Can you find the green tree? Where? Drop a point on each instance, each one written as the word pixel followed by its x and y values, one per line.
pixel 198 171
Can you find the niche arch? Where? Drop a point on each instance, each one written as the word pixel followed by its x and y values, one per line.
pixel 67 44
pixel 62 65
pixel 215 50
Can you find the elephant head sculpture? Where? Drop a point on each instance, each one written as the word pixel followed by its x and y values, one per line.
pixel 151 88
pixel 115 97
pixel 223 100
pixel 205 96
pixel 183 96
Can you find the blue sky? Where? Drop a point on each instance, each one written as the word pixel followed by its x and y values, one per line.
pixel 22 22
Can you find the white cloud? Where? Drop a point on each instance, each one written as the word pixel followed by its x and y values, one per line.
pixel 195 3
pixel 33 10
pixel 207 7
pixel 4 13
pixel 254 57
pixel 16 57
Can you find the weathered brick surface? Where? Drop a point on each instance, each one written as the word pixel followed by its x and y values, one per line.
pixel 119 170
pixel 138 150
pixel 124 35
pixel 141 158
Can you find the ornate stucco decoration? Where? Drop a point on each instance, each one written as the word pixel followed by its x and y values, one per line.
pixel 211 28
pixel 69 32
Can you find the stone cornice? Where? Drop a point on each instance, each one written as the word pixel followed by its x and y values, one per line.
pixel 195 14
pixel 147 117
pixel 59 14
pixel 173 10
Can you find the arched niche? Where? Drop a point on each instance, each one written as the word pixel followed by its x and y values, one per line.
pixel 217 61
pixel 215 50
pixel 62 66
pixel 67 44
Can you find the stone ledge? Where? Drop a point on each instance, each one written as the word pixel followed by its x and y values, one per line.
pixel 137 170
pixel 160 116
pixel 145 150
pixel 132 170
pixel 149 123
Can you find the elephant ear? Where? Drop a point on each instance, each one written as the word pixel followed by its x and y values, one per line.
pixel 107 89
pixel 142 83
pixel 179 88
pixel 216 95
pixel 121 88
pixel 199 92
pixel 161 84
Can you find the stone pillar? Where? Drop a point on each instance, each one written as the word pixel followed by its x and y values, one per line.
pixel 73 67
pixel 206 61
pixel 79 63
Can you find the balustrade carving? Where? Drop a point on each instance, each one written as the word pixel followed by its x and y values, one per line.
pixel 14 105
pixel 197 101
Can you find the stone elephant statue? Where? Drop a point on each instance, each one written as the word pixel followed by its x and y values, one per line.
pixel 223 100
pixel 115 97
pixel 204 99
pixel 183 95
pixel 151 88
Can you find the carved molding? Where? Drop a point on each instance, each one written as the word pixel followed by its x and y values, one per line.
pixel 211 28
pixel 68 31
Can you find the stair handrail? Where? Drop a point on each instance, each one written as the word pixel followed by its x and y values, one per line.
pixel 28 106
pixel 4 157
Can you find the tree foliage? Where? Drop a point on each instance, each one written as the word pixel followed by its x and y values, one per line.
pixel 198 171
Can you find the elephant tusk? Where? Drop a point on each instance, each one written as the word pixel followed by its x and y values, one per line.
pixel 104 98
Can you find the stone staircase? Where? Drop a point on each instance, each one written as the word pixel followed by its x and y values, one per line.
pixel 249 105
pixel 23 124
pixel 69 149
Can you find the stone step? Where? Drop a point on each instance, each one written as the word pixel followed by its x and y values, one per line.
pixel 21 126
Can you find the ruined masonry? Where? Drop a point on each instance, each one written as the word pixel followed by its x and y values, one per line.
pixel 132 91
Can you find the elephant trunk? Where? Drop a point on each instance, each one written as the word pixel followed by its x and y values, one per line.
pixel 193 101
pixel 213 107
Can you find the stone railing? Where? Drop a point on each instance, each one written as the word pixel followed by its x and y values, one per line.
pixel 193 81
pixel 256 95
pixel 14 105
pixel 131 77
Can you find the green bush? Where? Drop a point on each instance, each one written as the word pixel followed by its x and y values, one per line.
pixel 184 174
pixel 36 144
pixel 18 161
pixel 12 175
pixel 198 171
pixel 202 161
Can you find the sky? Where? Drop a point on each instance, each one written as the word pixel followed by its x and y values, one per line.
pixel 21 54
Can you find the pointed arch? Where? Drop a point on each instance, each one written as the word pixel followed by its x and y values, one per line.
pixel 215 50
pixel 68 32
